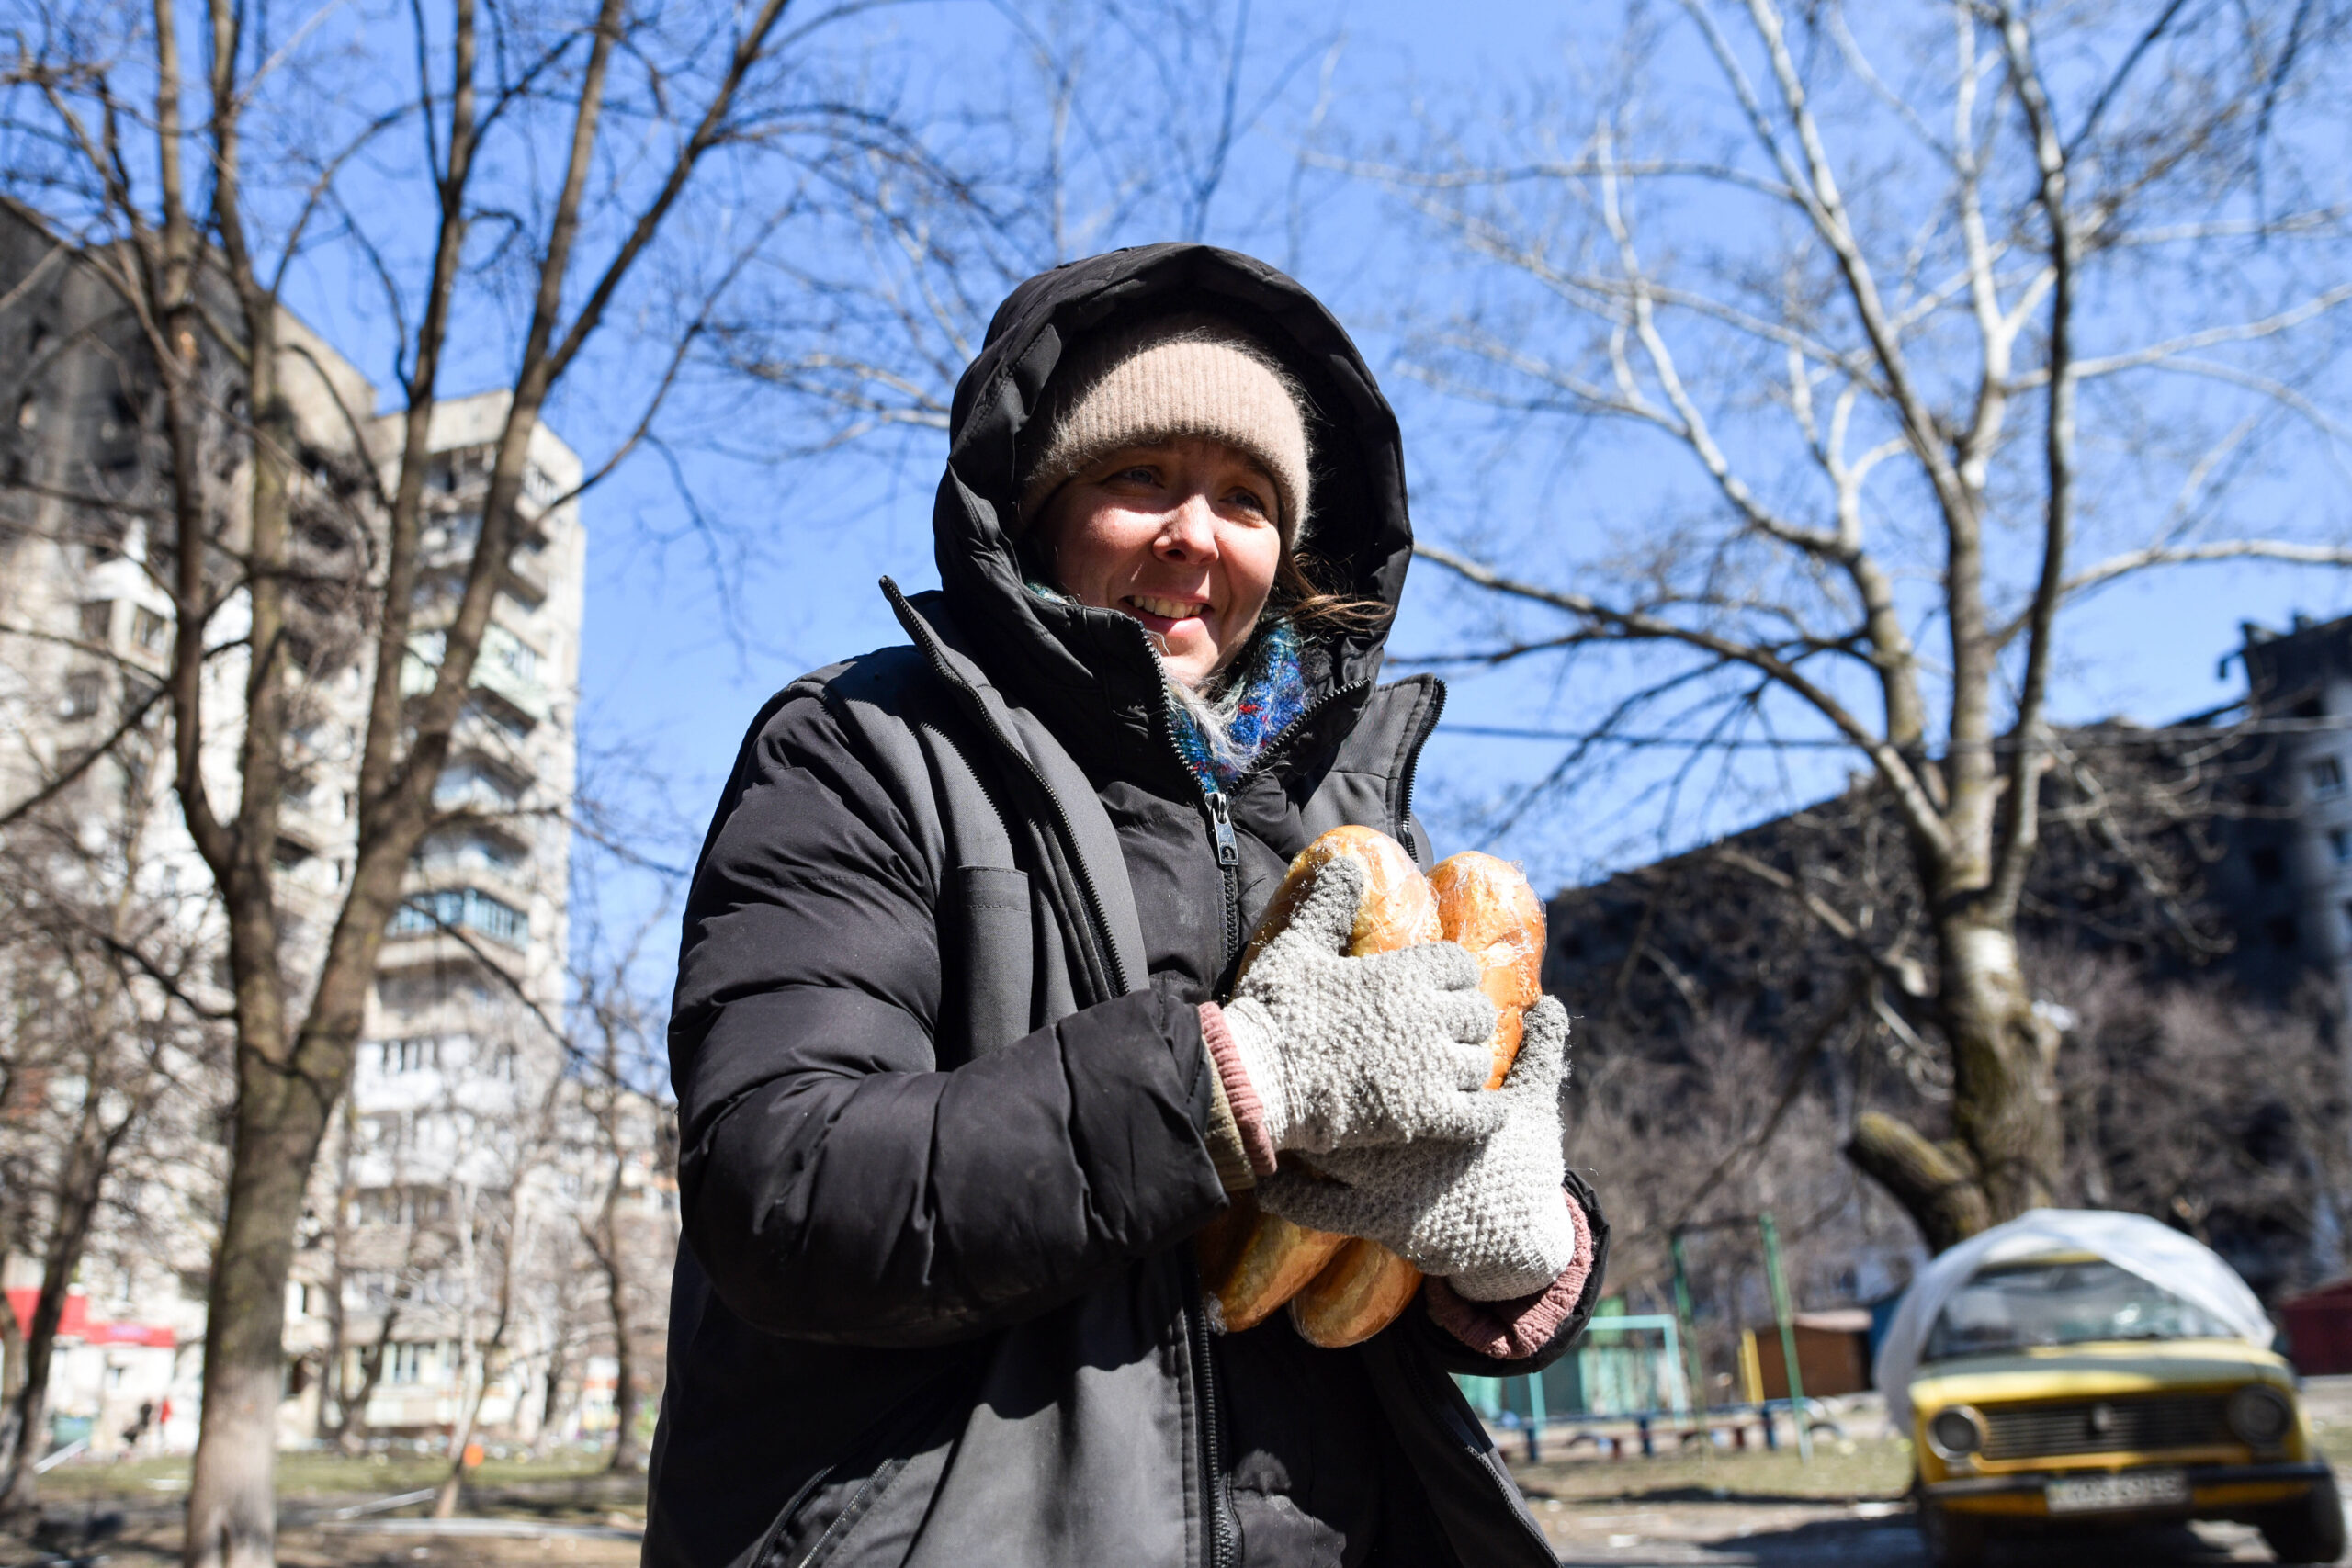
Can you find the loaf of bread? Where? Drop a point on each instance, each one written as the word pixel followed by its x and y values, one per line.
pixel 1342 1289
pixel 1487 907
pixel 1252 1261
pixel 1399 907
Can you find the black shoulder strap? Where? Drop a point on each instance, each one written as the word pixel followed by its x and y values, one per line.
pixel 1082 828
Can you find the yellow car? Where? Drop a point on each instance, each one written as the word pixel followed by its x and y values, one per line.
pixel 2063 1390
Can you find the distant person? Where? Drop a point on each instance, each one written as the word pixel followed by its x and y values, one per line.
pixel 136 1432
pixel 959 1071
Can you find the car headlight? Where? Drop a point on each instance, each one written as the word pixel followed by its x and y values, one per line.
pixel 2261 1416
pixel 1955 1433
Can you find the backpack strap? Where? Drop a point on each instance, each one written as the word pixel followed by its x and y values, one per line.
pixel 1091 863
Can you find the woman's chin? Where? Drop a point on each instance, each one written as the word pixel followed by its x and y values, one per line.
pixel 1188 669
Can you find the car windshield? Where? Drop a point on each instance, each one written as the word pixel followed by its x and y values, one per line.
pixel 2012 1306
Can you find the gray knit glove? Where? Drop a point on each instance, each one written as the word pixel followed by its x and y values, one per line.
pixel 1343 1052
pixel 1489 1219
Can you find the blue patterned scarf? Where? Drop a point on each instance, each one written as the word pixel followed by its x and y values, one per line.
pixel 1220 736
pixel 1261 701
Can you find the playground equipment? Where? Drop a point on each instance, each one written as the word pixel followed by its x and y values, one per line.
pixel 1620 1374
pixel 1783 1316
pixel 1609 1378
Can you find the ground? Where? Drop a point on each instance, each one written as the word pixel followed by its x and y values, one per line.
pixel 1769 1510
pixel 564 1512
pixel 1727 1509
pixel 1848 1506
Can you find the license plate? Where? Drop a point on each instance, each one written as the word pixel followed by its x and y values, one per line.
pixel 2137 1489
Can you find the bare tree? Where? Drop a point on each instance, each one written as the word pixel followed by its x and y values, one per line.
pixel 1097 127
pixel 1956 314
pixel 102 970
pixel 632 1161
pixel 2165 1119
pixel 548 158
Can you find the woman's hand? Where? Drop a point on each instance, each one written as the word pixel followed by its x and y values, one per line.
pixel 1342 1053
pixel 1488 1218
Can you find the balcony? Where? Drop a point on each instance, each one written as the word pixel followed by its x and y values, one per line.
pixel 467 909
pixel 506 669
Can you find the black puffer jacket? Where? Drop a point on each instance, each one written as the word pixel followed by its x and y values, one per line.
pixel 944 1101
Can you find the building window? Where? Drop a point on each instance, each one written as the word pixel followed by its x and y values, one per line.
pixel 97 621
pixel 83 693
pixel 2282 930
pixel 400 1205
pixel 2339 845
pixel 411 1055
pixel 2268 865
pixel 2327 777
pixel 468 908
pixel 406 1364
pixel 387 1131
pixel 486 850
pixel 373 1289
pixel 149 629
pixel 476 784
pixel 519 658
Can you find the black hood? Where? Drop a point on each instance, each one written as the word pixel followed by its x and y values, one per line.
pixel 1090 673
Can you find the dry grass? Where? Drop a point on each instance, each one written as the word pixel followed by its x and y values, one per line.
pixel 1847 1469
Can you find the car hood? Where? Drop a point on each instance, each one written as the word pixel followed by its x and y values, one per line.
pixel 2093 1370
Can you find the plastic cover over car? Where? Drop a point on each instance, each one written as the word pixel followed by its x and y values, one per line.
pixel 2133 1242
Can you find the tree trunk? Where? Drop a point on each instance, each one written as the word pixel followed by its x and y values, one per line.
pixel 334 1378
pixel 2005 1062
pixel 2005 1155
pixel 1936 1183
pixel 628 1452
pixel 351 1424
pixel 12 1369
pixel 79 1187
pixel 232 1509
pixel 551 1400
pixel 452 1490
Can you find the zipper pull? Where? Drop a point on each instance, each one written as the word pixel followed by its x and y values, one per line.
pixel 1221 819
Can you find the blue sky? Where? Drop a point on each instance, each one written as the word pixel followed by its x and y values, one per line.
pixel 668 672
pixel 688 631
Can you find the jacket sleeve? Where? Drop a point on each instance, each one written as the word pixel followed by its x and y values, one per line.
pixel 835 1184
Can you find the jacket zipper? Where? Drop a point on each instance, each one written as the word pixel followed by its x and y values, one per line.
pixel 1412 767
pixel 1224 1544
pixel 1223 1539
pixel 1228 861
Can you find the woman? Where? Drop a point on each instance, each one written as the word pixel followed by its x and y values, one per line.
pixel 958 1073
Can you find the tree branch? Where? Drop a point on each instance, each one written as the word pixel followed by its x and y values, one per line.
pixel 1919 813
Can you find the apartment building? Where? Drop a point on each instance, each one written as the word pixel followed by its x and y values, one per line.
pixel 464 1128
pixel 2288 879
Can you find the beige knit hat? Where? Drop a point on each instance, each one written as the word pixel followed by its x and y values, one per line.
pixel 1184 375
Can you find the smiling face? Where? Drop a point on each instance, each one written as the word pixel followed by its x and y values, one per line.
pixel 1181 535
